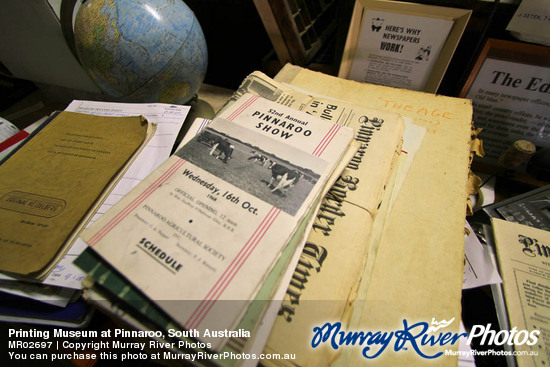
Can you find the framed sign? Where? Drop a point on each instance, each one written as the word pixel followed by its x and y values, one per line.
pixel 400 44
pixel 510 91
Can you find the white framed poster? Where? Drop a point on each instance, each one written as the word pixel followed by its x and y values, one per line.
pixel 401 45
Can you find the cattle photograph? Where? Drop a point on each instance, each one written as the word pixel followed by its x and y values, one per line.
pixel 261 172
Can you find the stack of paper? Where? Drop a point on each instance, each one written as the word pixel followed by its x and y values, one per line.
pixel 59 283
pixel 387 243
pixel 318 287
pixel 268 223
pixel 201 245
pixel 415 265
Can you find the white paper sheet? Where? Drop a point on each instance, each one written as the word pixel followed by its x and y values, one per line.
pixel 479 266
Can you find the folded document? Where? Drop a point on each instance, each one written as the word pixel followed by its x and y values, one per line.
pixel 209 224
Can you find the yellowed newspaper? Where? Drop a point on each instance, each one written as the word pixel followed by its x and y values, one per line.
pixel 523 253
pixel 417 273
pixel 327 274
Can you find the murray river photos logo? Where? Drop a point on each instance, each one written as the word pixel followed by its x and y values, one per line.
pixel 418 337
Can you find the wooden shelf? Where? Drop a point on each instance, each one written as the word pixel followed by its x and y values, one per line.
pixel 298 29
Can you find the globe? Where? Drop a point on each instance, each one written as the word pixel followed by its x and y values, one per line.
pixel 141 50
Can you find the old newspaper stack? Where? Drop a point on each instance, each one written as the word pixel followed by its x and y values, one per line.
pixel 268 223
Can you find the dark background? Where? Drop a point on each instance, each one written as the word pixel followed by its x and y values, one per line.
pixel 238 43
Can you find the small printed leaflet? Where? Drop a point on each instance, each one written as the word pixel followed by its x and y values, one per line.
pixel 210 223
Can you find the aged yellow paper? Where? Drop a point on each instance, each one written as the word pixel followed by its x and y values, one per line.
pixel 417 273
pixel 523 254
pixel 49 185
pixel 326 278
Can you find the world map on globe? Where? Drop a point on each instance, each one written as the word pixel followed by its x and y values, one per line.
pixel 142 50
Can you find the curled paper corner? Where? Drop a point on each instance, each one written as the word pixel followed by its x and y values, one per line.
pixel 474 181
pixel 469 208
pixel 474 184
pixel 476 144
pixel 477 147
